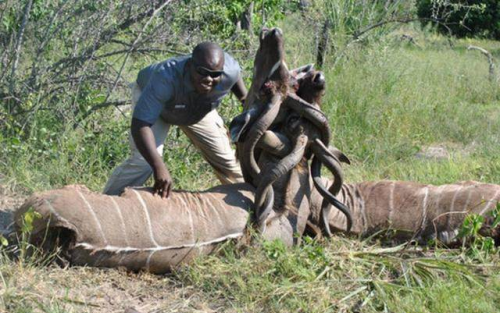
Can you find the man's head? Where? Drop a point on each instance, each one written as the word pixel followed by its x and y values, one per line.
pixel 206 66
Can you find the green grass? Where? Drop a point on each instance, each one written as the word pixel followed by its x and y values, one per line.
pixel 343 276
pixel 386 101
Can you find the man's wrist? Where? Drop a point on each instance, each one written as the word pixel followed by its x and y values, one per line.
pixel 159 166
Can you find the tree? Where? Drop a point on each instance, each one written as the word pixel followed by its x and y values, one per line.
pixel 464 18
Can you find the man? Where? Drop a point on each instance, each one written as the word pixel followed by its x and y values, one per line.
pixel 183 91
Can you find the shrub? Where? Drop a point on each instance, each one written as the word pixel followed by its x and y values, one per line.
pixel 464 18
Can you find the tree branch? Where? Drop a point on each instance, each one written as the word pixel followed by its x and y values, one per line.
pixel 105 103
pixel 491 62
pixel 361 32
pixel 106 36
pixel 17 49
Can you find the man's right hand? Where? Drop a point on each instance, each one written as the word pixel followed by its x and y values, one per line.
pixel 163 182
pixel 145 141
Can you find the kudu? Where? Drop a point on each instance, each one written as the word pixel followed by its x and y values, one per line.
pixel 404 210
pixel 281 132
pixel 413 211
pixel 141 231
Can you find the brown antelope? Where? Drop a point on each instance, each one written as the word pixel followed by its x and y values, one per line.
pixel 413 211
pixel 280 133
pixel 141 231
pixel 405 210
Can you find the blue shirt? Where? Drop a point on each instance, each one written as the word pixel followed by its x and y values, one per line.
pixel 167 92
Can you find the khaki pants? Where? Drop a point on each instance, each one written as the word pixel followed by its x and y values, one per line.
pixel 209 135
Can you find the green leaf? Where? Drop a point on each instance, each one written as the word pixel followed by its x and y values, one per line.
pixel 488 244
pixel 3 241
pixel 496 216
pixel 29 218
pixel 15 141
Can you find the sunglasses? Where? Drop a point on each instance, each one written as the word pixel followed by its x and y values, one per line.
pixel 204 72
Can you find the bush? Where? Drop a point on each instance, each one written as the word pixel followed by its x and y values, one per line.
pixel 464 18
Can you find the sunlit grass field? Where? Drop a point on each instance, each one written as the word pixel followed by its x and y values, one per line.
pixel 387 100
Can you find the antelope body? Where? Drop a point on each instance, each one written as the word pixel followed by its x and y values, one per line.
pixel 141 231
pixel 414 211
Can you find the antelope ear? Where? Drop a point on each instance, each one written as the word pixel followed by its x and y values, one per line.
pixel 302 70
pixel 263 33
pixel 240 124
pixel 344 158
pixel 299 77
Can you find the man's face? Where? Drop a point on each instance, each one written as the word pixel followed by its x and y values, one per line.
pixel 206 72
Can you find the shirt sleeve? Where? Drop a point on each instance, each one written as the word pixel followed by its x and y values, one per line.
pixel 157 92
pixel 235 77
pixel 232 70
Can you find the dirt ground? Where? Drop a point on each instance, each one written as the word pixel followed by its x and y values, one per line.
pixel 82 289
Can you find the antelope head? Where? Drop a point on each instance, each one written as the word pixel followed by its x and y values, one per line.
pixel 289 147
pixel 270 74
pixel 269 88
pixel 310 86
pixel 282 130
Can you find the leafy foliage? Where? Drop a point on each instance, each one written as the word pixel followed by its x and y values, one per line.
pixel 339 275
pixel 464 18
pixel 219 18
pixel 306 266
pixel 475 242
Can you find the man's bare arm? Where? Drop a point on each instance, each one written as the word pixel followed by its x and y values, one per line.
pixel 239 90
pixel 145 141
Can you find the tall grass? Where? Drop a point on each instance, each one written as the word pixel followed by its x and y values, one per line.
pixel 389 99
